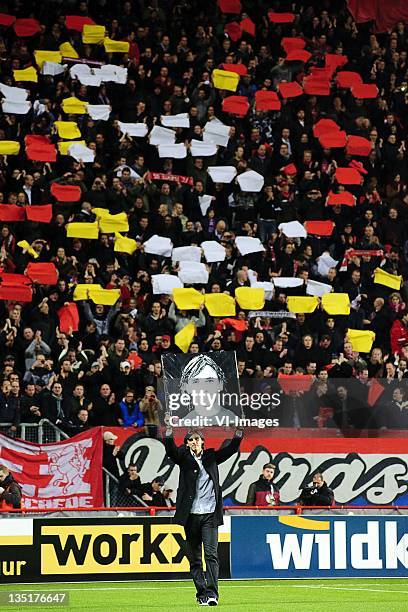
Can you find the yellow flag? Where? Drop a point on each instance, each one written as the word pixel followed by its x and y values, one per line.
pixel 124 244
pixel 101 213
pixel 361 340
pixel 73 106
pixel 9 147
pixel 250 298
pixel 97 294
pixel 63 146
pixel 47 56
pixel 389 280
pixel 109 224
pixel 115 46
pixel 93 34
pixel 67 50
pixel 336 303
pixel 107 297
pixel 219 304
pixel 28 74
pixel 89 231
pixel 223 79
pixel 184 337
pixel 67 129
pixel 186 298
pixel 305 304
pixel 26 246
pixel 81 291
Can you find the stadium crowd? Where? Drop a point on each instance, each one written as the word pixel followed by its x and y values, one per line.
pixel 311 171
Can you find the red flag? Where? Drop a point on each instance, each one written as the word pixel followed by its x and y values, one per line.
pixel 335 61
pixel 365 91
pixel 16 292
pixel 62 475
pixel 240 69
pixel 236 105
pixel 347 79
pixel 267 100
pixel 41 213
pixel 9 278
pixel 316 87
pixel 323 126
pixel 357 145
pixel 7 20
pixel 11 212
pixel 77 22
pixel 344 198
pixel 234 30
pixel 347 176
pixel 289 44
pixel 324 74
pixel 290 90
pixel 295 382
pixel 31 139
pixel 298 55
pixel 248 26
pixel 42 152
pixel 69 318
pixel 66 193
pixel 333 140
pixel 290 170
pixel 26 27
pixel 281 17
pixel 230 6
pixel 236 324
pixel 374 392
pixel 319 228
pixel 358 166
pixel 42 273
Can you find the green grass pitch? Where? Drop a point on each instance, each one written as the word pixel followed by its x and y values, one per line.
pixel 364 595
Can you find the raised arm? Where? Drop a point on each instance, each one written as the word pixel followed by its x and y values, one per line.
pixel 224 453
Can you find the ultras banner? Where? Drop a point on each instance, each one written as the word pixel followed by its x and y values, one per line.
pixel 63 475
pixel 360 471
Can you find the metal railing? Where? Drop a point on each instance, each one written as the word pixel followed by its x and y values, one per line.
pixel 115 497
pixel 43 432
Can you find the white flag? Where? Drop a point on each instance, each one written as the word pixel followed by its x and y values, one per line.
pixel 99 112
pixel 222 174
pixel 202 149
pixel 246 245
pixel 157 245
pixel 133 129
pixel 213 251
pixel 181 120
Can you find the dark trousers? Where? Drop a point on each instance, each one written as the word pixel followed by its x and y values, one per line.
pixel 200 530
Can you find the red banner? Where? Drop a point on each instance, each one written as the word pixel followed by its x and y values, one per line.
pixel 171 178
pixel 63 475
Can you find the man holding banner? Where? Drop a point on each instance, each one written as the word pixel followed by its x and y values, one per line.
pixel 199 505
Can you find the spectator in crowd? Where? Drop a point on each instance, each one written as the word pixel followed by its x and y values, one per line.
pixel 130 483
pixel 10 490
pixel 317 493
pixel 263 492
pixel 323 155
pixel 152 493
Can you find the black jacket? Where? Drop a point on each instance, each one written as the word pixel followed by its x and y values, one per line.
pixel 183 457
pixel 312 496
pixel 12 492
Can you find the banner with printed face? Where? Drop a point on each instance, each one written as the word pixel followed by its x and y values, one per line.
pixel 201 390
pixel 360 471
pixel 63 475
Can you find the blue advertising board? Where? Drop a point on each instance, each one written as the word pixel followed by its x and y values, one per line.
pixel 319 547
